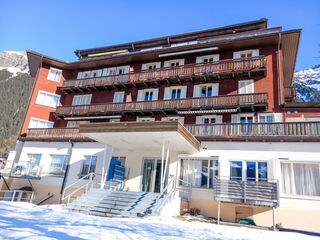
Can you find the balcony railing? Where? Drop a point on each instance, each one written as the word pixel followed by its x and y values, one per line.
pixel 226 101
pixel 185 71
pixel 55 134
pixel 262 193
pixel 276 129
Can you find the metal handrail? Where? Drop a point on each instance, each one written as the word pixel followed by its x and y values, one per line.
pixel 89 176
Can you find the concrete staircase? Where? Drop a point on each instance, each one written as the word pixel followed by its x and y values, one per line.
pixel 109 203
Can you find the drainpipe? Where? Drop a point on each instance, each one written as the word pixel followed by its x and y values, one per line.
pixel 67 170
pixel 279 70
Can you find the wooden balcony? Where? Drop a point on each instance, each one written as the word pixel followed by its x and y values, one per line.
pixel 290 94
pixel 54 134
pixel 255 100
pixel 260 193
pixel 279 131
pixel 225 69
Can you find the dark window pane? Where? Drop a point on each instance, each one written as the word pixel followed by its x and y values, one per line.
pixel 209 92
pixel 251 171
pixel 235 170
pixel 263 171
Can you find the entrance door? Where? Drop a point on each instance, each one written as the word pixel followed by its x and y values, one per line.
pixel 151 175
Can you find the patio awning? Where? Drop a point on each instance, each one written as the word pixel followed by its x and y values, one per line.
pixel 142 135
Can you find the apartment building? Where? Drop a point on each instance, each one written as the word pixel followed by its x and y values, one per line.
pixel 211 113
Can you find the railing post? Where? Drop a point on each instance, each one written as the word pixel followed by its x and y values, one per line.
pixel 244 191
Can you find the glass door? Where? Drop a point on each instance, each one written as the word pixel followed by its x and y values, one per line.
pixel 151 175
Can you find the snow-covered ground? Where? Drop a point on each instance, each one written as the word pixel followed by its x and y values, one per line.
pixel 27 221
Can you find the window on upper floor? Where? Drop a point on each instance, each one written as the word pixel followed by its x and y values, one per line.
pixel 206 90
pixel 75 124
pixel 175 92
pixel 209 119
pixel 116 70
pixel 58 164
pixel 269 117
pixel 246 53
pixel 242 118
pixel 173 118
pixel 47 99
pixel 82 99
pixel 245 87
pixel 118 97
pixel 150 94
pixel 207 58
pixel 54 74
pixel 150 66
pixel 174 63
pixel 301 178
pixel 39 123
pixel 145 119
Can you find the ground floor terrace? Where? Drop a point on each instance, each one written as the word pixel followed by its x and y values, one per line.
pixel 233 180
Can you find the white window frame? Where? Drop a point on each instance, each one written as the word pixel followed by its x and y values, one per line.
pixel 173 118
pixel 75 124
pixel 153 65
pixel 174 61
pixel 246 89
pixel 47 94
pixel 114 120
pixel 244 168
pixel 52 74
pixel 118 97
pixel 201 59
pixel 40 120
pixel 254 53
pixel 142 94
pixel 77 98
pixel 65 163
pixel 83 162
pixel 145 119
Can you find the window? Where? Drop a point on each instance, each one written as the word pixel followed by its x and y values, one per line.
pixel 89 165
pixel 118 97
pixel 116 70
pixel 173 118
pixel 58 164
pixel 176 93
pixel 123 70
pixel 246 119
pixel 38 123
pixel 95 73
pixel 174 63
pixel 246 87
pixel 300 178
pixel 86 74
pixel 34 159
pixel 250 170
pixel 148 95
pixel 207 58
pixel 246 54
pixel 206 90
pixel 54 74
pixel 81 99
pixel 199 173
pixel 145 119
pixel 114 120
pixel 266 119
pixel 48 99
pixel 209 120
pixel 150 66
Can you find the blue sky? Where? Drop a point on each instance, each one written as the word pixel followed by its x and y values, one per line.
pixel 57 28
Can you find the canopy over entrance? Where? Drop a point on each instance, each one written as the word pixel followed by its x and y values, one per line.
pixel 142 135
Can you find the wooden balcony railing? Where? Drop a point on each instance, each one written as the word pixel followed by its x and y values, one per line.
pixel 276 129
pixel 290 93
pixel 189 70
pixel 251 192
pixel 55 134
pixel 166 105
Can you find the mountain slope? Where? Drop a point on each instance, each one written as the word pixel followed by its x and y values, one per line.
pixel 15 87
pixel 307 83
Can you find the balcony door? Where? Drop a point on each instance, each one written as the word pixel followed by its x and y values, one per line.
pixel 151 175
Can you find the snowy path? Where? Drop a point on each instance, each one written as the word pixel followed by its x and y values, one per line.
pixel 26 221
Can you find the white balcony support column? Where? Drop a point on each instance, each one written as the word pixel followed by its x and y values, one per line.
pixel 166 166
pixel 103 165
pixel 107 160
pixel 162 161
pixel 218 212
pixel 273 218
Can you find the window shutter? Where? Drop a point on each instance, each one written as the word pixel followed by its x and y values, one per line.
pixel 167 91
pixel 75 100
pixel 219 119
pixel 255 53
pixel 140 95
pixel 118 97
pixel 126 69
pixel 181 62
pixel 79 75
pixel 105 72
pixel 155 94
pixel 183 91
pixel 99 73
pixel 199 60
pixel 215 89
pixel 241 87
pixel 250 86
pixel 196 91
pixel 199 120
pixel 144 67
pixel 216 57
pixel 166 63
pixel 277 117
pixel 236 55
pixel 235 118
pixel 158 65
pixel 181 120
